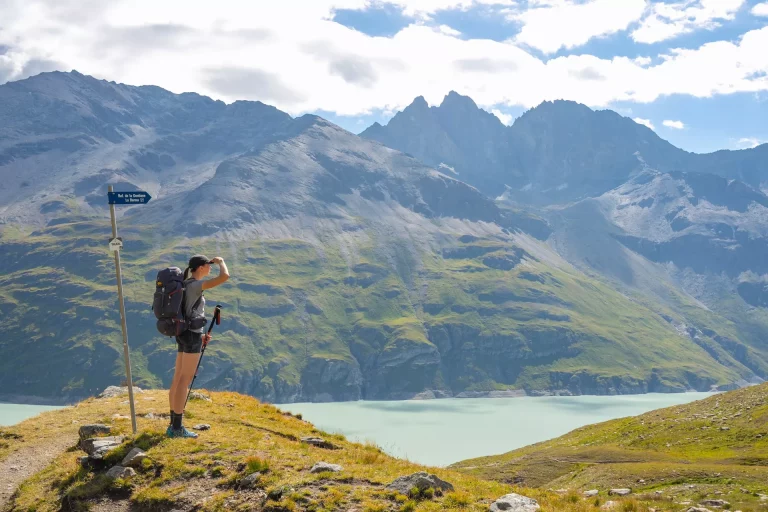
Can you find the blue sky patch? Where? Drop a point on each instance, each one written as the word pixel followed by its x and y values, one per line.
pixel 379 21
pixel 482 22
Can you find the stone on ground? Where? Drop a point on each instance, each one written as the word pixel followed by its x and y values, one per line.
pixel 196 395
pixel 88 431
pixel 114 391
pixel 96 447
pixel 120 472
pixel 202 426
pixel 714 503
pixel 591 493
pixel 133 458
pixel 250 481
pixel 421 480
pixel 619 492
pixel 319 442
pixel 325 466
pixel 514 503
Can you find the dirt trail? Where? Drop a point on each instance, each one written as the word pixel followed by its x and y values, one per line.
pixel 27 461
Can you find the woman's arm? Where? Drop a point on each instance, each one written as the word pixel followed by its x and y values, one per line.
pixel 222 277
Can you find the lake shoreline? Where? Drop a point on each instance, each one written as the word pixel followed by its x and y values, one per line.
pixel 14 399
pixel 429 395
pixel 420 430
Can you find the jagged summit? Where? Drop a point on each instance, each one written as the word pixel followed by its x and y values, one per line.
pixel 456 100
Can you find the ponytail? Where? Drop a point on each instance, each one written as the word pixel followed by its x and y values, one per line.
pixel 186 273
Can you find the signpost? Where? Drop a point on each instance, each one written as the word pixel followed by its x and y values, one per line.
pixel 115 244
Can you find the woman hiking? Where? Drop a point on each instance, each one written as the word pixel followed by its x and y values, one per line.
pixel 190 342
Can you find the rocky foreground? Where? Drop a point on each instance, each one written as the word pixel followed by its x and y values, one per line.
pixel 250 456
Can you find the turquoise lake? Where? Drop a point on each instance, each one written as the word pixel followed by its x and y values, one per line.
pixel 440 432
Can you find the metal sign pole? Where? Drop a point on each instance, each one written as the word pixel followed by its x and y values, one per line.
pixel 122 316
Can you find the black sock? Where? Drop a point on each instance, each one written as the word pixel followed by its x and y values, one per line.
pixel 176 422
pixel 170 418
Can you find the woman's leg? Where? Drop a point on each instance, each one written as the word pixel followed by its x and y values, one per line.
pixel 175 381
pixel 188 365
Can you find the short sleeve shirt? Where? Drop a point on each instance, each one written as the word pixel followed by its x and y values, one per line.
pixel 194 292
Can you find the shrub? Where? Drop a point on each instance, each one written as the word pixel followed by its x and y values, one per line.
pixel 255 464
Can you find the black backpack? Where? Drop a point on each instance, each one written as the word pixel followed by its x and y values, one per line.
pixel 168 303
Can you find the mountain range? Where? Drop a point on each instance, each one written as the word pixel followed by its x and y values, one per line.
pixel 443 254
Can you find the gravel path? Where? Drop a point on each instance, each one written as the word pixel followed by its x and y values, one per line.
pixel 27 461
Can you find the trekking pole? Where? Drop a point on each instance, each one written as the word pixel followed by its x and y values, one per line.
pixel 216 318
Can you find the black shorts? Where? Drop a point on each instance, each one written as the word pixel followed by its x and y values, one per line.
pixel 190 342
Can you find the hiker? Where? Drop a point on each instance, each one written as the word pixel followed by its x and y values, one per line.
pixel 191 341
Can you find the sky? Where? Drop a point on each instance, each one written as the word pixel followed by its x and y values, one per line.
pixel 695 71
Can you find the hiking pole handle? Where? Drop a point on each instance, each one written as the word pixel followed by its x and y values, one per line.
pixel 216 317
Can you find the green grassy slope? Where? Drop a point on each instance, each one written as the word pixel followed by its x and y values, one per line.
pixel 716 444
pixel 381 318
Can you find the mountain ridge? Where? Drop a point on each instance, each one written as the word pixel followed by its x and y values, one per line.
pixel 357 271
pixel 518 156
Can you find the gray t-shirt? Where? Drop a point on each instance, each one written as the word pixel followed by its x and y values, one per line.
pixel 194 292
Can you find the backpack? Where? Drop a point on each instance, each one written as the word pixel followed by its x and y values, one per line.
pixel 168 303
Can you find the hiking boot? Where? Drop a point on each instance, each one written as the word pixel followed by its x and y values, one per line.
pixel 182 432
pixel 169 431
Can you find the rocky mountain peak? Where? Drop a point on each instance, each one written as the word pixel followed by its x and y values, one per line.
pixel 419 104
pixel 454 100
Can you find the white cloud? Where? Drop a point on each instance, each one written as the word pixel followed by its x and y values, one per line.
pixel 760 9
pixel 643 61
pixel 677 125
pixel 750 142
pixel 291 55
pixel 669 20
pixel 504 118
pixel 646 122
pixel 568 24
pixel 445 29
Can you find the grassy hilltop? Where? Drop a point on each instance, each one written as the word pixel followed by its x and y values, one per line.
pixel 668 458
pixel 715 445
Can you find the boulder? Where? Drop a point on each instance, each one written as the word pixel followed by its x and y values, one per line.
pixel 250 481
pixel 96 447
pixel 325 466
pixel 514 503
pixel 114 391
pixel 134 458
pixel 88 431
pixel 421 480
pixel 319 442
pixel 620 492
pixel 120 472
pixel 591 493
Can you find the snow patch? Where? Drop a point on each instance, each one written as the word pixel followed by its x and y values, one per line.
pixel 448 167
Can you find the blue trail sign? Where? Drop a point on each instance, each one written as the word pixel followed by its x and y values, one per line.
pixel 138 197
